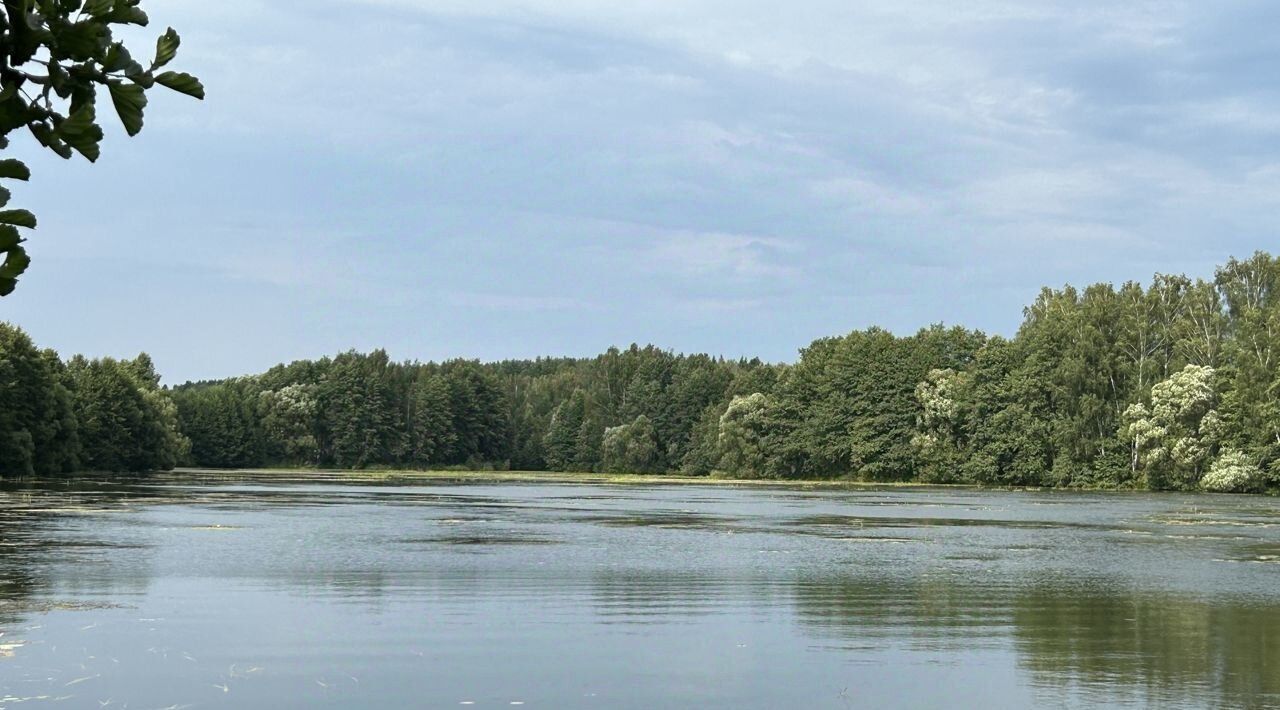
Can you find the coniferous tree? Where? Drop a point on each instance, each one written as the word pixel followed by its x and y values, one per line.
pixel 126 423
pixel 38 433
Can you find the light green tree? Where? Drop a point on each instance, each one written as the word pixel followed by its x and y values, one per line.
pixel 1174 441
pixel 939 437
pixel 630 448
pixel 288 420
pixel 744 432
pixel 1233 472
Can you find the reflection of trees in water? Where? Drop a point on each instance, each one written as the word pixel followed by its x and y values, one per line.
pixel 16 588
pixel 38 557
pixel 1157 642
pixel 1092 639
pixel 638 595
pixel 943 613
pixel 20 573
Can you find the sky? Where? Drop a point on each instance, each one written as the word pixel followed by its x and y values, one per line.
pixel 492 180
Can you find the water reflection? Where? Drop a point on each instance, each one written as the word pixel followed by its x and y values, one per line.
pixel 1167 647
pixel 1086 638
pixel 756 598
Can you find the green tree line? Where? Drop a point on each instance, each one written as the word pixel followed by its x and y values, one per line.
pixel 82 415
pixel 1173 385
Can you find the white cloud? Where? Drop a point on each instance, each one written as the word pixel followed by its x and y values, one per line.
pixel 715 254
pixel 1065 192
pixel 508 302
pixel 563 161
pixel 859 194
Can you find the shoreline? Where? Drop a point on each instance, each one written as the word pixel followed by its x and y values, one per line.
pixel 441 476
pixel 340 476
pixel 410 476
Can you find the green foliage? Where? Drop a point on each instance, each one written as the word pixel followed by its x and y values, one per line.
pixel 54 56
pixel 287 416
pixel 850 403
pixel 478 414
pixel 745 437
pixel 1174 441
pixel 126 422
pixel 1174 385
pixel 1233 472
pixel 940 437
pixel 38 431
pixel 702 457
pixel 630 448
pixel 429 424
pixel 561 440
pixel 222 423
pixel 1251 372
pixel 358 428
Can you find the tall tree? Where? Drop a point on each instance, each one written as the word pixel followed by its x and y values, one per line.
pixel 358 417
pixel 746 433
pixel 1177 439
pixel 126 423
pixel 561 441
pixel 630 448
pixel 38 432
pixel 429 421
pixel 1251 387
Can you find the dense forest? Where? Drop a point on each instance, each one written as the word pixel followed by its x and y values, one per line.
pixel 1175 385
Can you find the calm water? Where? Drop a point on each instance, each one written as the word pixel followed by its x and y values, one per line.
pixel 182 594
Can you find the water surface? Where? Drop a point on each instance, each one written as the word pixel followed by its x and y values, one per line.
pixel 183 593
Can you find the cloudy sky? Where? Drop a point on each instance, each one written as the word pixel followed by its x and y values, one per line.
pixel 506 179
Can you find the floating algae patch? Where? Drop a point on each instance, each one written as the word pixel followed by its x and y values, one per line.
pixel 683 520
pixel 1139 538
pixel 77 510
pixel 43 607
pixel 78 544
pixel 1261 560
pixel 881 538
pixel 481 539
pixel 1215 522
pixel 853 521
pixel 973 557
pixel 1267 553
pixel 1132 531
pixel 7 649
pixel 1218 516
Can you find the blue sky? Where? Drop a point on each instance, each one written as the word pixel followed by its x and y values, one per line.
pixel 508 179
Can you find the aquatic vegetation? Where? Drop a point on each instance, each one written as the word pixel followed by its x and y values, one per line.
pixel 481 539
pixel 7 649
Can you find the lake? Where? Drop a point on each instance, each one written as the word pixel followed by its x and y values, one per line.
pixel 272 593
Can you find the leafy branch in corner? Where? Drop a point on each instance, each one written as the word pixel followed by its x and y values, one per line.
pixel 54 56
